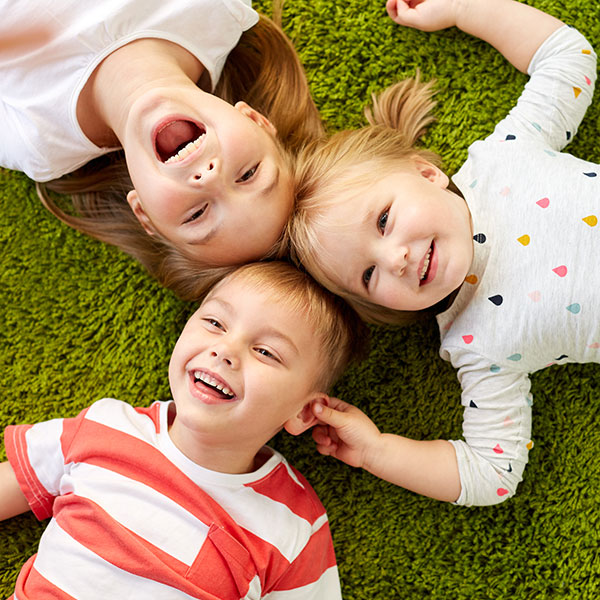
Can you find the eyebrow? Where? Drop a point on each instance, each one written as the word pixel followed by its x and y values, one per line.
pixel 269 331
pixel 206 237
pixel 369 216
pixel 275 333
pixel 267 190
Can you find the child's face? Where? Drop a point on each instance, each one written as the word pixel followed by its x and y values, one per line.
pixel 225 197
pixel 243 367
pixel 405 242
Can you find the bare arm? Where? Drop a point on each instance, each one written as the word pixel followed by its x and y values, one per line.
pixel 516 30
pixel 12 499
pixel 425 467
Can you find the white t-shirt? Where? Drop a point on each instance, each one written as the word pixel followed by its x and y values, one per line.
pixel 40 86
pixel 532 295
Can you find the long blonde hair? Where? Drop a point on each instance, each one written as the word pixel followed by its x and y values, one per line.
pixel 265 71
pixel 330 170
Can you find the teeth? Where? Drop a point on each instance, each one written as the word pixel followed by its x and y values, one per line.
pixel 208 380
pixel 425 264
pixel 186 150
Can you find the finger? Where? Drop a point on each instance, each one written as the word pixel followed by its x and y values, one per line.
pixel 408 13
pixel 320 434
pixel 331 416
pixel 327 450
pixel 392 10
pixel 338 404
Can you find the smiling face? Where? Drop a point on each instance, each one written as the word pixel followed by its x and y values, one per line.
pixel 404 243
pixel 243 367
pixel 208 176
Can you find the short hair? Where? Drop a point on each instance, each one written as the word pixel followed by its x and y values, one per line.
pixel 342 335
pixel 330 170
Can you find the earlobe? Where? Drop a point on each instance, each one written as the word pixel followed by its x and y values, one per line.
pixel 136 206
pixel 255 116
pixel 305 419
pixel 431 172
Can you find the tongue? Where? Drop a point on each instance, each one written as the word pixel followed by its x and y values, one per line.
pixel 175 136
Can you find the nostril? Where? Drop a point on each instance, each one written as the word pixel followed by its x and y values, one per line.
pixel 197 177
pixel 211 166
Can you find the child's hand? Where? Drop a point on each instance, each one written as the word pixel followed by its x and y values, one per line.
pixel 426 15
pixel 344 432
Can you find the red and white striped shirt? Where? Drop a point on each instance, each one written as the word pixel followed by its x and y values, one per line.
pixel 132 515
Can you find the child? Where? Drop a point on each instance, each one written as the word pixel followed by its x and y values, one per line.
pixel 503 254
pixel 200 183
pixel 183 499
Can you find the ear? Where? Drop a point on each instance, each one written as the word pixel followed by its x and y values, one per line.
pixel 257 117
pixel 136 206
pixel 305 419
pixel 431 172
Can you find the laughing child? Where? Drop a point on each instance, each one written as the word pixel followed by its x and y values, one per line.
pixel 504 255
pixel 183 499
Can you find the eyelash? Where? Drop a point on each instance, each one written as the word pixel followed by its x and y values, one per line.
pixel 266 353
pixel 382 220
pixel 252 172
pixel 197 214
pixel 381 224
pixel 214 323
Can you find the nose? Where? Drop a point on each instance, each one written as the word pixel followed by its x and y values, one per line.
pixel 226 353
pixel 206 171
pixel 397 260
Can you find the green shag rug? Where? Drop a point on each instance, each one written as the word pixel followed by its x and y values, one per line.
pixel 80 321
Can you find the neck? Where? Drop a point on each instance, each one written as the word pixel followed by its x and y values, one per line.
pixel 124 76
pixel 215 454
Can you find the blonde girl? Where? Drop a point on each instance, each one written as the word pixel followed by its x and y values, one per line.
pixel 505 254
pixel 165 122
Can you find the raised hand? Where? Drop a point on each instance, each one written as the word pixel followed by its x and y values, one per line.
pixel 426 15
pixel 344 432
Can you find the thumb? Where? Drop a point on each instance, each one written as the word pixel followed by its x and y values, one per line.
pixel 335 417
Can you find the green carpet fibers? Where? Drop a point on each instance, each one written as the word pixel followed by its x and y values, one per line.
pixel 80 321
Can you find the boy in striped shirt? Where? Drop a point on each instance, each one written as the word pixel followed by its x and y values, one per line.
pixel 183 499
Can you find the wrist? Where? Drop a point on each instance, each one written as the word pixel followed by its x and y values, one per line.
pixel 463 13
pixel 373 453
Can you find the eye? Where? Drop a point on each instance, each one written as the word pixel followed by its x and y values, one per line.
pixel 214 323
pixel 249 174
pixel 267 354
pixel 367 276
pixel 382 220
pixel 197 214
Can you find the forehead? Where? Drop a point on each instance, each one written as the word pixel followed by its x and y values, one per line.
pixel 260 306
pixel 344 235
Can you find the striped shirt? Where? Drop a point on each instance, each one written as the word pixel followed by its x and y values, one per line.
pixel 131 514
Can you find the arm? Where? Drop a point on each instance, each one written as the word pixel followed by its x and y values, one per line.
pixel 12 499
pixel 425 467
pixel 516 30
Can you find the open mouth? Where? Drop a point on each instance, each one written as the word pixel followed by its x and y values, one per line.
pixel 427 262
pixel 211 385
pixel 177 139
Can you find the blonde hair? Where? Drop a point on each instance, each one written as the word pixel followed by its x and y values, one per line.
pixel 330 170
pixel 265 71
pixel 342 336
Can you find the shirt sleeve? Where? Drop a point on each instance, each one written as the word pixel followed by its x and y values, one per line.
pixel 36 454
pixel 496 428
pixel 558 93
